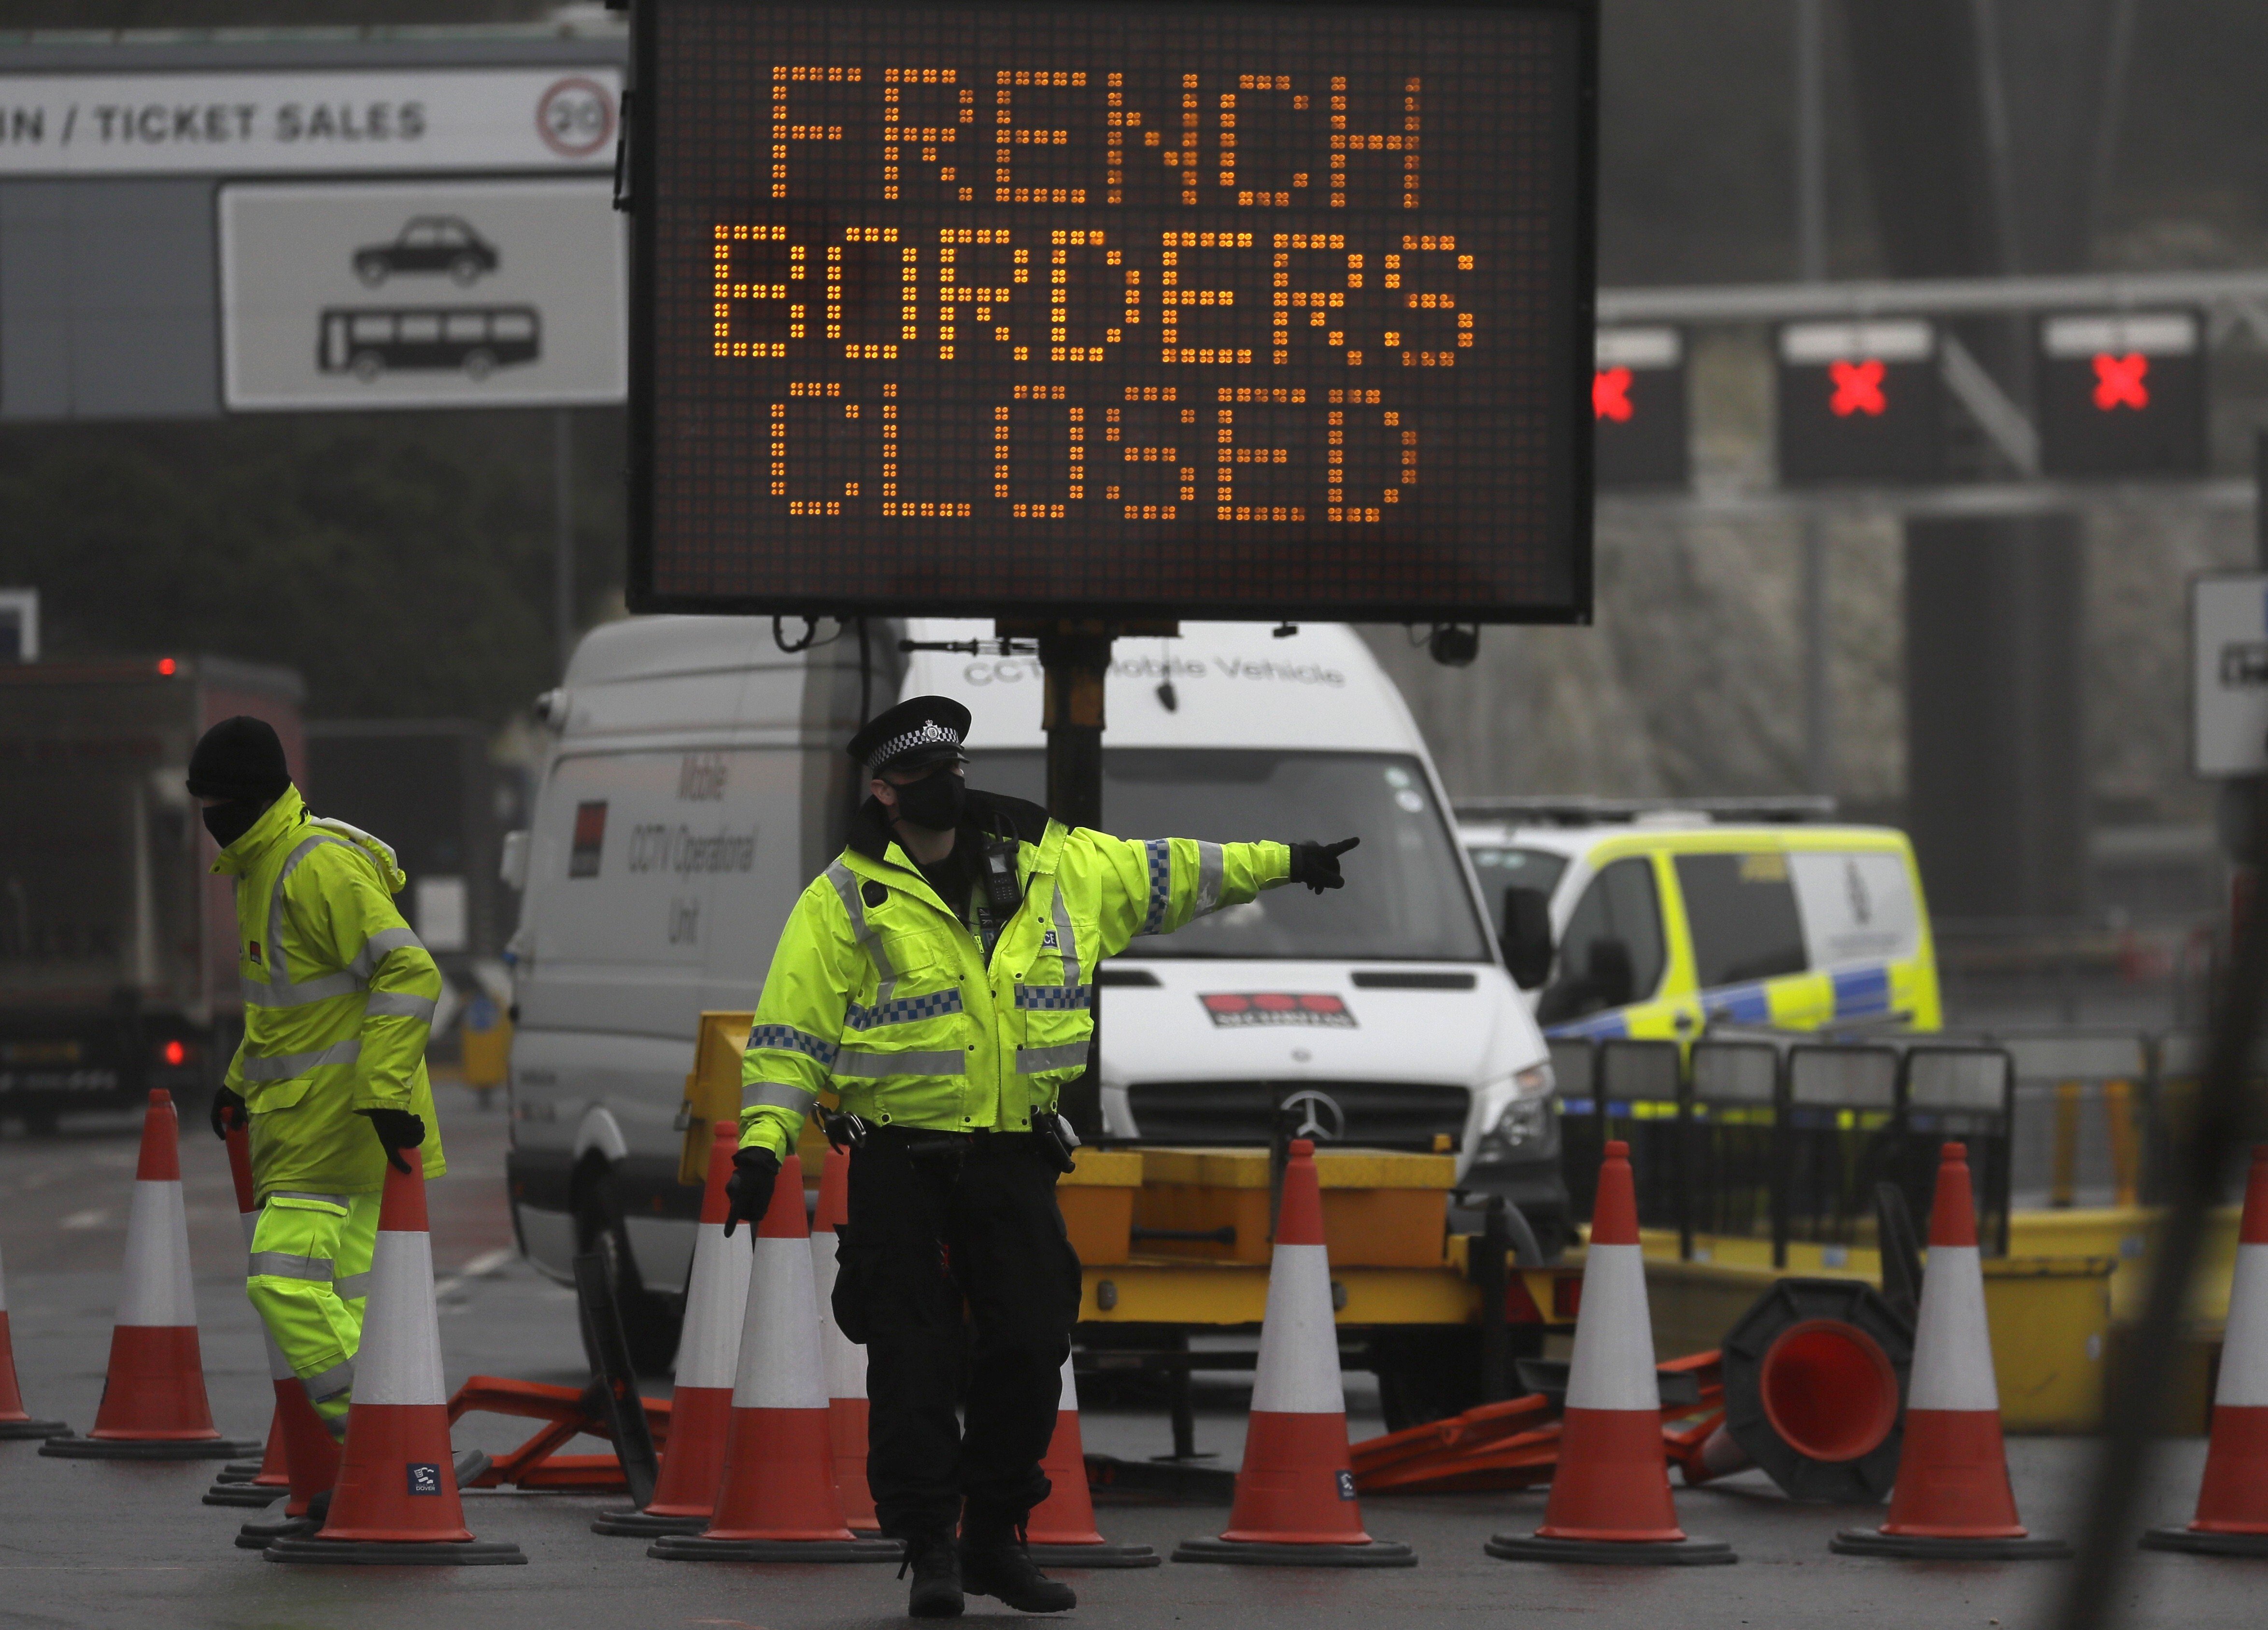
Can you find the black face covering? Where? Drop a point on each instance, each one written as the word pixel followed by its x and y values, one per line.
pixel 229 820
pixel 935 801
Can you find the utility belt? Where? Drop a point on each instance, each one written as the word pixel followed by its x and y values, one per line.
pixel 1051 1138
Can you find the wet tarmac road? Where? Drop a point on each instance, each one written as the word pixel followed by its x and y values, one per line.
pixel 96 1544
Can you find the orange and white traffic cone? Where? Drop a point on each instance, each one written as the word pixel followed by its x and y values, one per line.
pixel 1295 1502
pixel 302 1460
pixel 1061 1531
pixel 708 1353
pixel 263 1482
pixel 153 1397
pixel 2231 1507
pixel 15 1420
pixel 844 1358
pixel 1610 1499
pixel 1953 1500
pixel 396 1499
pixel 777 1501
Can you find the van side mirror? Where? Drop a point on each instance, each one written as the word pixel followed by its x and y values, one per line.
pixel 1527 937
pixel 1611 979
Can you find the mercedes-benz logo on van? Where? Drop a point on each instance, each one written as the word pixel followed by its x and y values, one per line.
pixel 1310 1106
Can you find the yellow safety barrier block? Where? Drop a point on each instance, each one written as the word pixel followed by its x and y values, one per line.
pixel 1381 1208
pixel 1097 1199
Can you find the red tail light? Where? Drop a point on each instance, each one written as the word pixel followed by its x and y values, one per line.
pixel 174 1053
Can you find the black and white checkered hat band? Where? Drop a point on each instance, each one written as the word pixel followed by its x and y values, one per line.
pixel 931 734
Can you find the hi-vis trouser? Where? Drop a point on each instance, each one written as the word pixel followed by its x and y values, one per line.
pixel 309 1274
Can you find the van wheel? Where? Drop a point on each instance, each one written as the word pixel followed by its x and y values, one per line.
pixel 650 1322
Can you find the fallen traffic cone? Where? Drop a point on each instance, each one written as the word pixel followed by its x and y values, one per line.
pixel 1611 1495
pixel 396 1497
pixel 1295 1499
pixel 701 1407
pixel 1952 1500
pixel 302 1460
pixel 777 1501
pixel 845 1358
pixel 2231 1507
pixel 15 1422
pixel 1062 1531
pixel 153 1397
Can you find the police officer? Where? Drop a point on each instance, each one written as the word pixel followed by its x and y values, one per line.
pixel 938 978
pixel 338 998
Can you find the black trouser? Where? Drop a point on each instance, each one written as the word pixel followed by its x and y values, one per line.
pixel 941 1224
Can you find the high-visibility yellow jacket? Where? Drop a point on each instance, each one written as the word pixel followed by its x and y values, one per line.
pixel 879 993
pixel 338 999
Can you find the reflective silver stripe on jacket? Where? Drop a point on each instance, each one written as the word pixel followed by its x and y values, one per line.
pixel 1065 939
pixel 354 1287
pixel 283 1066
pixel 284 1264
pixel 777 1096
pixel 871 1065
pixel 399 1005
pixel 1211 863
pixel 1039 1060
pixel 328 1383
pixel 278 991
pixel 1161 884
pixel 847 883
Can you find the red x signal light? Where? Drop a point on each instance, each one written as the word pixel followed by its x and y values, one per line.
pixel 1858 387
pixel 1610 395
pixel 2118 381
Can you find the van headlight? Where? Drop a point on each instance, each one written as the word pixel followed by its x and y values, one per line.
pixel 1528 1126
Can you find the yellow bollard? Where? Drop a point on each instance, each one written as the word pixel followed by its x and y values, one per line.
pixel 2064 1183
pixel 2125 1150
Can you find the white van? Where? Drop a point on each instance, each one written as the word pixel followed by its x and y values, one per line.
pixel 1387 996
pixel 698 782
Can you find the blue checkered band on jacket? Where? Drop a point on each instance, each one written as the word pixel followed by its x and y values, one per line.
pixel 905 1010
pixel 931 734
pixel 1161 884
pixel 1054 997
pixel 789 1039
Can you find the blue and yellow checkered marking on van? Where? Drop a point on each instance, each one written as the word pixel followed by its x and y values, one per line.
pixel 1862 992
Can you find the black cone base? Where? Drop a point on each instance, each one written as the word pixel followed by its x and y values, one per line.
pixel 1377 1553
pixel 694 1548
pixel 1931 1548
pixel 34 1428
pixel 631 1522
pixel 148 1449
pixel 1688 1553
pixel 409 1553
pixel 2202 1542
pixel 258 1536
pixel 249 1495
pixel 238 1471
pixel 1104 1555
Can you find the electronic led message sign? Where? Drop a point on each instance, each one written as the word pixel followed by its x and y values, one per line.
pixel 1196 310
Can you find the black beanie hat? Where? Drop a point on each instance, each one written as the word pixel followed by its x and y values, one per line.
pixel 239 757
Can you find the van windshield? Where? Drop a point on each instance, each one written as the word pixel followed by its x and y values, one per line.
pixel 1405 897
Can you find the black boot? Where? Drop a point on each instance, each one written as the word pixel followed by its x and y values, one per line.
pixel 996 1561
pixel 935 1564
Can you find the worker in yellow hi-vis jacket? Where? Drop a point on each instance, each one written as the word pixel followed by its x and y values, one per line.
pixel 939 978
pixel 338 998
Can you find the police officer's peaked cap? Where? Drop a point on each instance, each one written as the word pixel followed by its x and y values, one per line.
pixel 239 757
pixel 912 734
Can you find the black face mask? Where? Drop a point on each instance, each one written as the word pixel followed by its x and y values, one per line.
pixel 230 821
pixel 935 801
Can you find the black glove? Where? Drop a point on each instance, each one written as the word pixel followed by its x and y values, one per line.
pixel 397 1129
pixel 749 1190
pixel 228 1110
pixel 1317 865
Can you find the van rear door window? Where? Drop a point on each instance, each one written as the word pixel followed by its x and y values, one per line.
pixel 1741 912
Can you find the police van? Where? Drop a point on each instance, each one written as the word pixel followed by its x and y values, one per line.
pixel 1638 919
pixel 696 781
